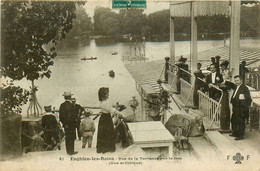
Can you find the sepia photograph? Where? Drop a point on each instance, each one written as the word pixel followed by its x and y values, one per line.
pixel 130 85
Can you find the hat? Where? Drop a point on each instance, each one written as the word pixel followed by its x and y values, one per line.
pixel 224 63
pixel 47 107
pixel 87 113
pixel 217 57
pixel 67 93
pixel 167 58
pixel 181 59
pixel 73 99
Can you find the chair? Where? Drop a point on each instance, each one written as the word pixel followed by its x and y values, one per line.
pixel 182 134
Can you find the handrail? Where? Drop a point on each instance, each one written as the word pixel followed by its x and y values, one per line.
pixel 187 72
pixel 213 101
pixel 185 84
pixel 174 65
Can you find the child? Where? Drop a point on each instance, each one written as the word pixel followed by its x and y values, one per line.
pixel 87 129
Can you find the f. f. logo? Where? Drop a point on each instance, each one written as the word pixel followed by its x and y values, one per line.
pixel 238 158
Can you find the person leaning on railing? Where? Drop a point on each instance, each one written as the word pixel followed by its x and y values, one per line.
pixel 198 84
pixel 182 67
pixel 213 79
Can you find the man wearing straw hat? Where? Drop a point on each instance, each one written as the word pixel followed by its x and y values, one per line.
pixel 68 120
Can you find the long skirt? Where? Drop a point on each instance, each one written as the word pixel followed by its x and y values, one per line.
pixel 106 134
pixel 225 112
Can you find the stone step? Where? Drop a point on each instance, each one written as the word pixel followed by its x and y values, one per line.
pixel 220 143
pixel 177 99
pixel 207 123
pixel 202 149
pixel 249 145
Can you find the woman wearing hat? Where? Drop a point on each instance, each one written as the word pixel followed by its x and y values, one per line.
pixel 106 134
pixel 225 71
pixel 225 110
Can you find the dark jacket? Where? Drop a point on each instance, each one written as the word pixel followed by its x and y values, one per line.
pixel 242 100
pixel 49 123
pixel 213 93
pixel 198 82
pixel 217 82
pixel 78 111
pixel 67 115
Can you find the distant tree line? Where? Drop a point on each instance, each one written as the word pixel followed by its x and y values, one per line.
pixel 156 26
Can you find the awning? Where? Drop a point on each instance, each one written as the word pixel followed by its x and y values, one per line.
pixel 249 55
pixel 201 8
pixel 146 75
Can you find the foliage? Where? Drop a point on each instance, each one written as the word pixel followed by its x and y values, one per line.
pixel 250 19
pixel 12 98
pixel 99 15
pixel 157 24
pixel 82 25
pixel 26 27
pixel 133 21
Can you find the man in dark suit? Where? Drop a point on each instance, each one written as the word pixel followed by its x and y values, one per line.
pixel 241 101
pixel 78 111
pixel 213 79
pixel 68 120
pixel 242 70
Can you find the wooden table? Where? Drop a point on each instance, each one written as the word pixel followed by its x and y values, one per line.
pixel 151 134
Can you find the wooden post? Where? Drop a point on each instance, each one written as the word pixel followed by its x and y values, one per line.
pixel 193 47
pixel 194 34
pixel 234 48
pixel 172 40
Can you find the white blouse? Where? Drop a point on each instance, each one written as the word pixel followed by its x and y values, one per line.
pixel 106 107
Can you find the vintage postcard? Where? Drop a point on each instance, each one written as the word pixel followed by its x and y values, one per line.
pixel 130 85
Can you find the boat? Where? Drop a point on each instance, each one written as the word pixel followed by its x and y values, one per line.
pixel 91 58
pixel 111 73
pixel 114 53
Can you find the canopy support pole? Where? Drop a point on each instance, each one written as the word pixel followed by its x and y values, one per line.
pixel 234 48
pixel 172 40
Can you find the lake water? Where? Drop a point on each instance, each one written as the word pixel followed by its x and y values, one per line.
pixel 84 78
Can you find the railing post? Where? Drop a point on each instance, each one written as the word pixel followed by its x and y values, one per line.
pixel 167 59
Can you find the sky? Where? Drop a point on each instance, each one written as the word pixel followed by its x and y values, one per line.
pixel 151 6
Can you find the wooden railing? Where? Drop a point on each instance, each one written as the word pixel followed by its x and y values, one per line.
pixel 253 79
pixel 186 92
pixel 210 107
pixel 172 77
pixel 179 80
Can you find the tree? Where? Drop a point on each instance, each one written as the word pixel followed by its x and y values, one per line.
pixel 81 24
pixel 99 15
pixel 111 26
pixel 134 20
pixel 159 21
pixel 26 27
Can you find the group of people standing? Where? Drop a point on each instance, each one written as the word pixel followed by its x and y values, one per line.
pixel 218 82
pixel 70 115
